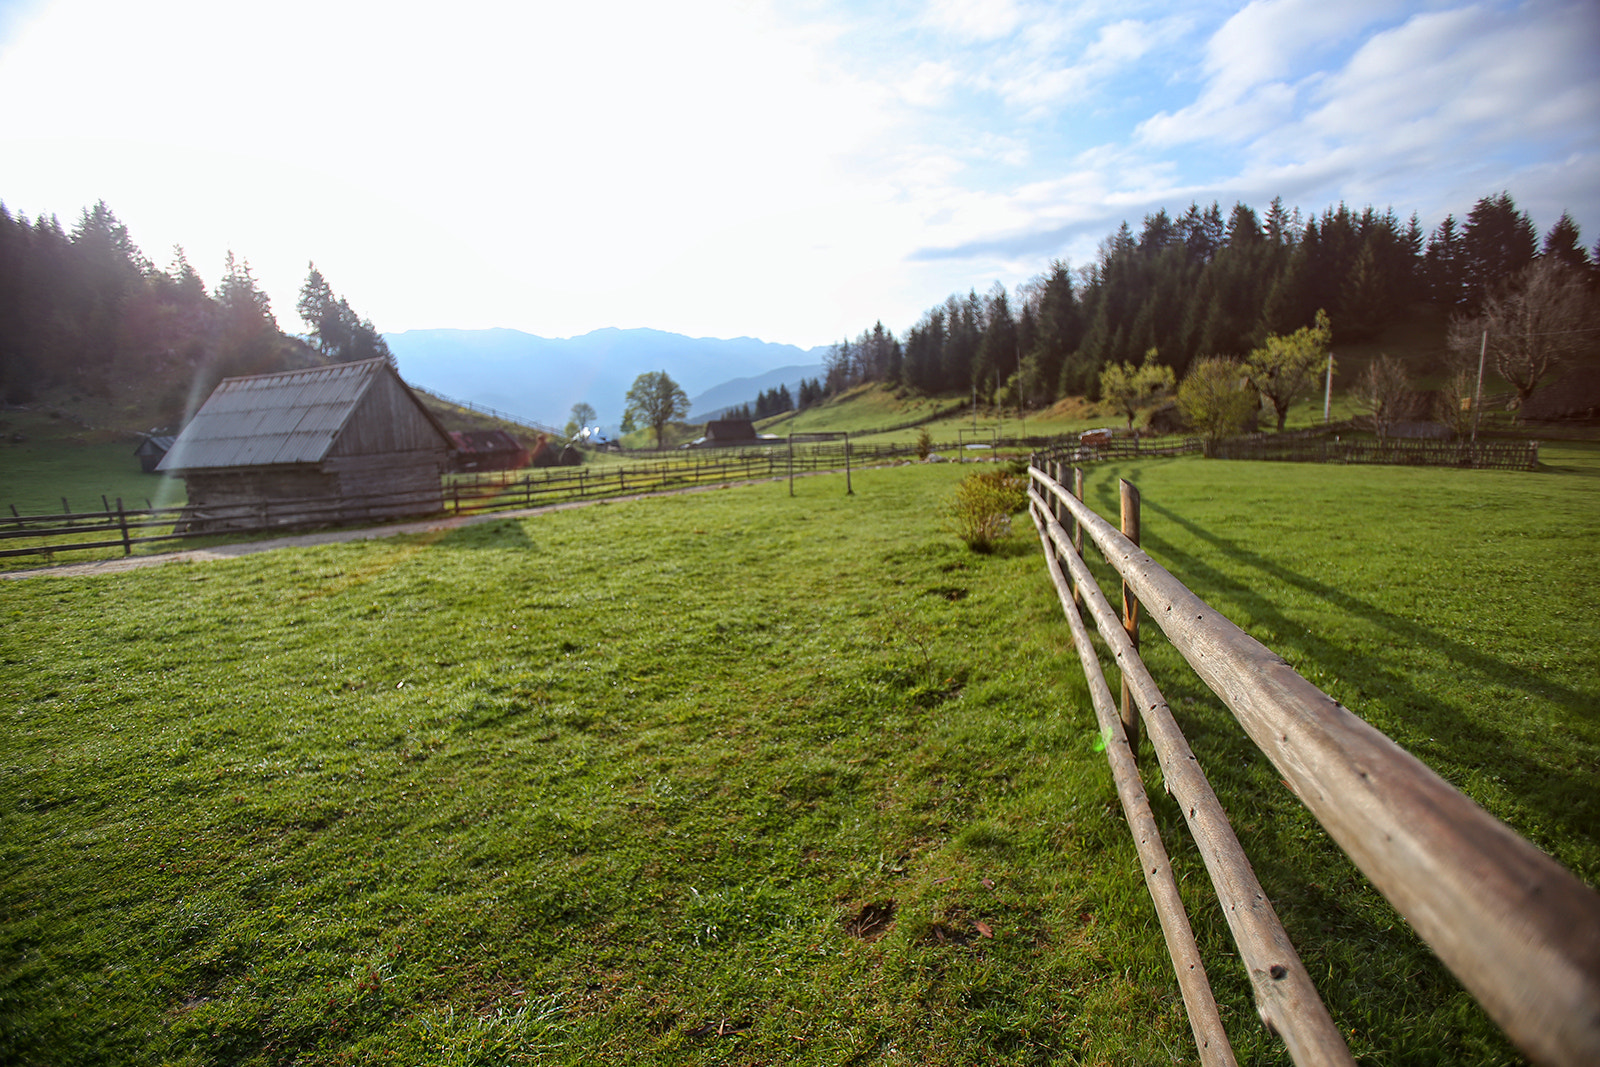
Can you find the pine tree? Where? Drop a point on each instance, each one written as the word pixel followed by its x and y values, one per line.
pixel 1442 268
pixel 1497 242
pixel 1564 244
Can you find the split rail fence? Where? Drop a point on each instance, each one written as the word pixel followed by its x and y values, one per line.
pixel 120 527
pixel 1517 929
pixel 1481 455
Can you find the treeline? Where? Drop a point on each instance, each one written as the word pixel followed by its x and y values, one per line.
pixel 779 399
pixel 87 311
pixel 1201 284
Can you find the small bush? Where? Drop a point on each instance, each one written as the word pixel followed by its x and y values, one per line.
pixel 924 443
pixel 981 512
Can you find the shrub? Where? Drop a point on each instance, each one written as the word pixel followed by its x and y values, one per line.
pixel 981 512
pixel 924 443
pixel 1217 399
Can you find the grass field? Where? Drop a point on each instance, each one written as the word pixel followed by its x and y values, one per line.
pixel 740 778
pixel 59 458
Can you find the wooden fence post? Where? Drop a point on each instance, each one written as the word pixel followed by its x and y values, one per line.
pixel 1130 613
pixel 1077 529
pixel 848 491
pixel 122 521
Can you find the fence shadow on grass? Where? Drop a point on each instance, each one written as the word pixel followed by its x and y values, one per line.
pixel 1473 744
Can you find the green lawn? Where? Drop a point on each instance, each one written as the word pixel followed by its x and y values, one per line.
pixel 740 778
pixel 59 459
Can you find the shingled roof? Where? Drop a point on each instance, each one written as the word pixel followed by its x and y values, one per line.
pixel 289 417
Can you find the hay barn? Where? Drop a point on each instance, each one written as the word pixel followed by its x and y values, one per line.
pixel 488 450
pixel 308 447
pixel 724 432
pixel 152 448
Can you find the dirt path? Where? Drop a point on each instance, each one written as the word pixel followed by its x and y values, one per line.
pixel 368 533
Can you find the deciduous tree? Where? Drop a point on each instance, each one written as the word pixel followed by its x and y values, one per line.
pixel 655 400
pixel 1217 399
pixel 583 414
pixel 1128 388
pixel 1545 317
pixel 1284 367
pixel 1382 391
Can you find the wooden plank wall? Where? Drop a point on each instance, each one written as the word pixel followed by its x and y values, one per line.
pixel 387 419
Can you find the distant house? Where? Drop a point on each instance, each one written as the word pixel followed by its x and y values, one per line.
pixel 325 445
pixel 152 448
pixel 488 450
pixel 731 432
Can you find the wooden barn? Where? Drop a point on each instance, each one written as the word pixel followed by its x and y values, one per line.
pixel 724 432
pixel 488 450
pixel 152 448
pixel 325 445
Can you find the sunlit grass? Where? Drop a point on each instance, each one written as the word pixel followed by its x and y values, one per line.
pixel 737 777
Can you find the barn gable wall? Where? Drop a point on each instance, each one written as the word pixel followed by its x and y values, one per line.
pixel 387 419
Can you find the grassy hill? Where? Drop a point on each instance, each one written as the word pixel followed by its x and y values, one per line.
pixel 81 448
pixel 742 777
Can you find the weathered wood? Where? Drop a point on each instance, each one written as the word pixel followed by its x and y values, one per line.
pixel 848 491
pixel 1285 995
pixel 1077 531
pixel 1128 497
pixel 122 520
pixel 1210 1037
pixel 1520 931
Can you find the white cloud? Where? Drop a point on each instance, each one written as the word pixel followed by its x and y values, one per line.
pixel 975 20
pixel 740 166
pixel 1248 66
pixel 929 84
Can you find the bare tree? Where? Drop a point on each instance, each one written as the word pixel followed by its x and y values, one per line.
pixel 1544 318
pixel 1454 404
pixel 1384 389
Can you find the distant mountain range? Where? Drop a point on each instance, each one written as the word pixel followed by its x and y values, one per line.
pixel 540 378
pixel 715 401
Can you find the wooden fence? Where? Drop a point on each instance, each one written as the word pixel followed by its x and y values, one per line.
pixel 1482 455
pixel 1517 929
pixel 118 527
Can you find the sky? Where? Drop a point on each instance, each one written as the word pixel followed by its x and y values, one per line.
pixel 789 171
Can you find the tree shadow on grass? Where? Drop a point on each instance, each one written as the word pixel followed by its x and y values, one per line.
pixel 504 533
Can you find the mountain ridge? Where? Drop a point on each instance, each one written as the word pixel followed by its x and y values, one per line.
pixel 541 378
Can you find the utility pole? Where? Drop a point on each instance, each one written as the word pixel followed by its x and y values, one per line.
pixel 1477 396
pixel 1327 396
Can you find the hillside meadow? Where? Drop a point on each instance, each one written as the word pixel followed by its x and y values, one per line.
pixel 744 778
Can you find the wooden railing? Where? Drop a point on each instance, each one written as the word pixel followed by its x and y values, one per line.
pixel 47 535
pixel 1325 448
pixel 1520 932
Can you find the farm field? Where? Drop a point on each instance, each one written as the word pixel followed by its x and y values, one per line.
pixel 738 778
pixel 59 459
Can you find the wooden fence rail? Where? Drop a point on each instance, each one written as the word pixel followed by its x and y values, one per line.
pixel 1517 929
pixel 458 495
pixel 1482 455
